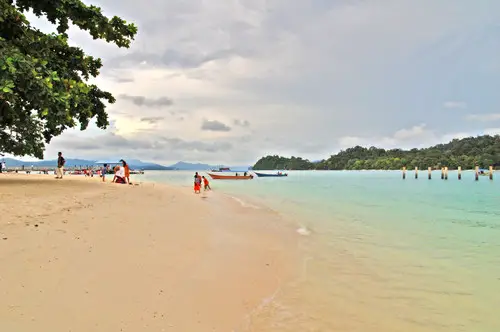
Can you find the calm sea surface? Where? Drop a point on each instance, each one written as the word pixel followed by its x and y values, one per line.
pixel 381 253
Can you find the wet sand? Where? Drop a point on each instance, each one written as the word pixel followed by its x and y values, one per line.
pixel 80 255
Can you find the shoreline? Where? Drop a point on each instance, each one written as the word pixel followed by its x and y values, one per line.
pixel 245 201
pixel 81 255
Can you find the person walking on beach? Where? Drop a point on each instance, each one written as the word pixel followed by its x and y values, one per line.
pixel 206 184
pixel 60 165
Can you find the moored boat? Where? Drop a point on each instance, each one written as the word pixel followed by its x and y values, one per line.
pixel 222 169
pixel 230 177
pixel 267 175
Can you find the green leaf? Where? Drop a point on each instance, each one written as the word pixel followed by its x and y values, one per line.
pixel 31 61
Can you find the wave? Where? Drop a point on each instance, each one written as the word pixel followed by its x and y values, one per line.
pixel 304 231
pixel 244 204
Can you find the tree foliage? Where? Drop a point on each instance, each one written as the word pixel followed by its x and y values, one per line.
pixel 43 80
pixel 482 151
pixel 277 162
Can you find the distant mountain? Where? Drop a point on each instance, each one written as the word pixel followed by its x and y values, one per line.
pixel 183 166
pixel 241 168
pixel 133 163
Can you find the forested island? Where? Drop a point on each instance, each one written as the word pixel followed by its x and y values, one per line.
pixel 482 151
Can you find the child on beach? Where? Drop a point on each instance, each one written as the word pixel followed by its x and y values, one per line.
pixel 104 170
pixel 206 184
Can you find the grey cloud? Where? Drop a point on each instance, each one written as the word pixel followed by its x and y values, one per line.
pixel 179 144
pixel 124 79
pixel 241 123
pixel 178 114
pixel 148 102
pixel 317 83
pixel 152 119
pixel 484 117
pixel 172 58
pixel 117 75
pixel 109 141
pixel 214 125
pixel 147 142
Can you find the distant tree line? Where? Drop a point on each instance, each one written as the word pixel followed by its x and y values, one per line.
pixel 482 151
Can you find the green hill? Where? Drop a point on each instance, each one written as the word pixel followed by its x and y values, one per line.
pixel 482 151
pixel 277 162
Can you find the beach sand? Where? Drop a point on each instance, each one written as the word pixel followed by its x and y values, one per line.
pixel 80 255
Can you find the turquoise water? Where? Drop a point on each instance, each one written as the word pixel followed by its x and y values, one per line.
pixel 381 253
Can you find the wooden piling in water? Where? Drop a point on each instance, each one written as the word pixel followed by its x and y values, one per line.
pixel 429 172
pixel 404 173
pixel 477 173
pixel 491 172
pixel 442 173
pixel 459 172
pixel 446 173
pixel 416 172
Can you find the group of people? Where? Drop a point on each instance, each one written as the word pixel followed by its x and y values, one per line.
pixel 121 173
pixel 198 179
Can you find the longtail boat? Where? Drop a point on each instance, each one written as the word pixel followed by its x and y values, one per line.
pixel 230 177
pixel 267 175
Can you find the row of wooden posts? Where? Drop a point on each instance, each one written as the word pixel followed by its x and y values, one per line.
pixel 444 173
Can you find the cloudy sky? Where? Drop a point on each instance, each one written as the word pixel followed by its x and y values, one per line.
pixel 227 81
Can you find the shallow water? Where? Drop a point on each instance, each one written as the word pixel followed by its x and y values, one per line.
pixel 380 253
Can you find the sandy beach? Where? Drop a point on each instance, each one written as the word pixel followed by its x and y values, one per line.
pixel 80 255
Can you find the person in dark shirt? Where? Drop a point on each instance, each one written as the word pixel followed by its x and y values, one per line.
pixel 60 166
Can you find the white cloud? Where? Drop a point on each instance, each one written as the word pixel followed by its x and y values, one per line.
pixel 416 136
pixel 455 104
pixel 415 132
pixel 484 117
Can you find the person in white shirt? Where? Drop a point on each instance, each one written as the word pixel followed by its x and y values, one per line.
pixel 120 176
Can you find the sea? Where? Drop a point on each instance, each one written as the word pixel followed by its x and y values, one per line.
pixel 380 253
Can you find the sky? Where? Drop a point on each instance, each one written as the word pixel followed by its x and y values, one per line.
pixel 229 81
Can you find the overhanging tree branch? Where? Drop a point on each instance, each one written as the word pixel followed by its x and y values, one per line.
pixel 43 88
